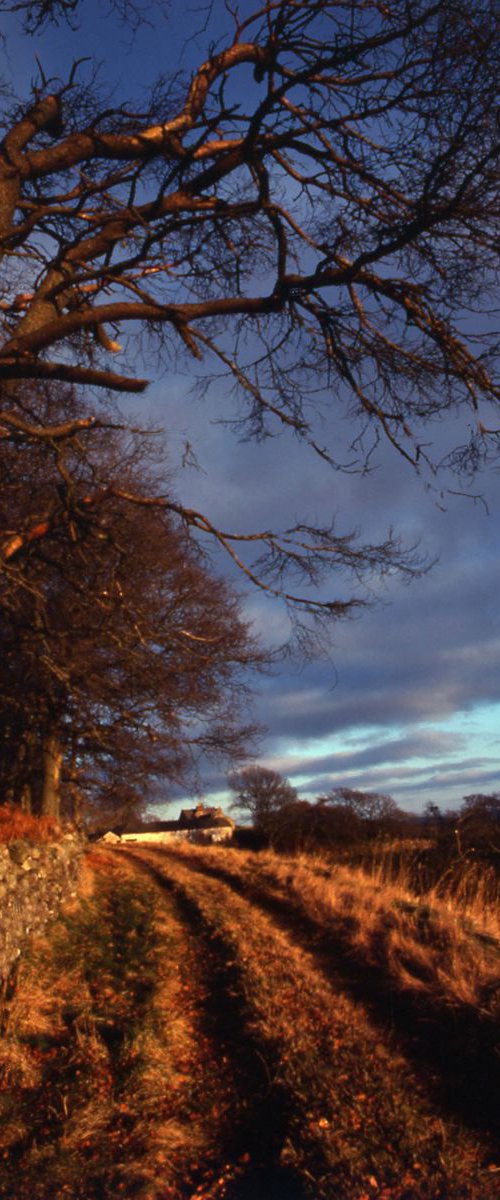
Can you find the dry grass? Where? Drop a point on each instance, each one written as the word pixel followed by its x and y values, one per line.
pixel 65 1049
pixel 359 1123
pixel 436 945
pixel 444 945
pixel 108 1083
pixel 175 1080
pixel 117 1078
pixel 467 886
pixel 16 825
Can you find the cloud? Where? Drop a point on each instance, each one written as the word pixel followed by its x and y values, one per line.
pixel 425 743
pixel 422 657
pixel 426 655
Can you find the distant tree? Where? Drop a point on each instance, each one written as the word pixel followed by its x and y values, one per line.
pixel 436 823
pixel 261 794
pixel 376 811
pixel 370 806
pixel 478 822
pixel 432 812
pixel 339 823
pixel 294 827
pixel 308 826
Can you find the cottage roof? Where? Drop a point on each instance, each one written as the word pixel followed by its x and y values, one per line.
pixel 196 818
pixel 203 817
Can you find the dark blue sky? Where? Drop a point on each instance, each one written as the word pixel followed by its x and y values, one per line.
pixel 409 702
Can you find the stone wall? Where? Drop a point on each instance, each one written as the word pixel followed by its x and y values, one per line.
pixel 34 882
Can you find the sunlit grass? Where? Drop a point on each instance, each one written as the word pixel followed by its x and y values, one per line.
pixel 101 1054
pixel 444 944
pixel 118 1077
pixel 360 1124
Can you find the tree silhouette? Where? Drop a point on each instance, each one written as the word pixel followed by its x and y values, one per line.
pixel 313 216
pixel 261 794
pixel 376 811
pixel 124 656
pixel 478 822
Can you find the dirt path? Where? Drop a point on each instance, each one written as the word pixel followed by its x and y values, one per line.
pixel 252 1141
pixel 359 1123
pixel 454 1054
pixel 126 1066
pixel 174 1039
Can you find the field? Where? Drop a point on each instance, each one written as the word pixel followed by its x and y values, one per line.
pixel 211 1024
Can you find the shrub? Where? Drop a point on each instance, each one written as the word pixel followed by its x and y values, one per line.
pixel 15 824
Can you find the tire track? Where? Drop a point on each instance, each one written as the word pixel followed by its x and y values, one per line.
pixel 356 1123
pixel 249 1163
pixel 454 1055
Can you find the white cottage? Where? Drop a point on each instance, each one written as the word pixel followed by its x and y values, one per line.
pixel 201 825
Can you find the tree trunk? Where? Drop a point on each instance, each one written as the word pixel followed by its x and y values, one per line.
pixel 52 766
pixel 26 801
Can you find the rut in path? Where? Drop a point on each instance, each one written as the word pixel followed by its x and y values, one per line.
pixel 170 1041
pixel 358 1118
pixel 144 1079
pixel 258 1127
pixel 455 1056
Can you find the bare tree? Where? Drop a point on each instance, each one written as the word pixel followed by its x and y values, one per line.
pixel 36 14
pixel 124 657
pixel 261 794
pixel 320 234
pixel 378 811
pixel 478 822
